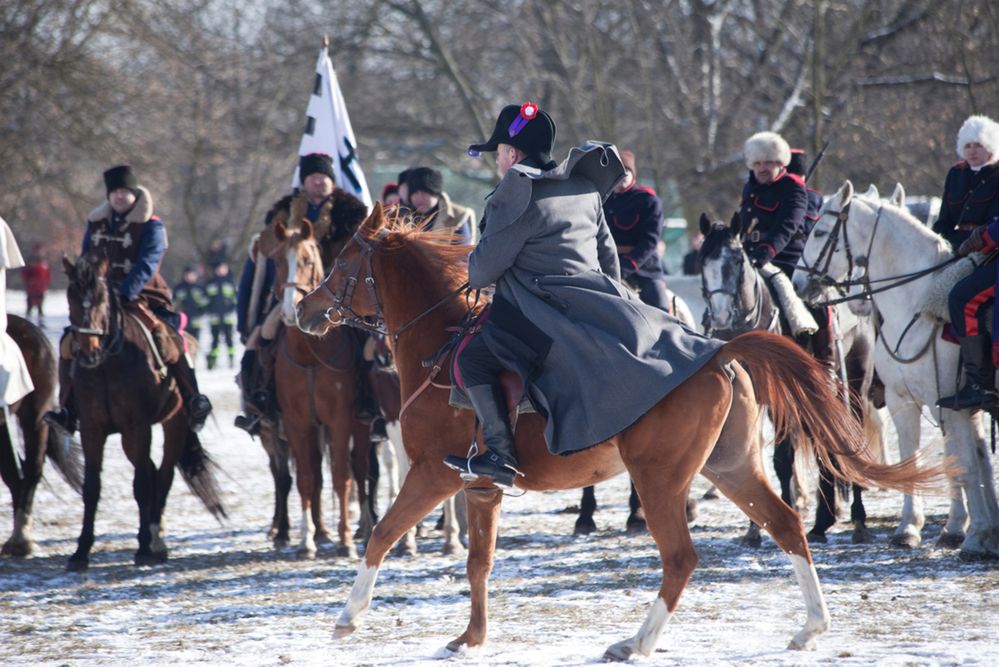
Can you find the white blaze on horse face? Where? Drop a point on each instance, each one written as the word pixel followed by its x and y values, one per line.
pixel 720 304
pixel 359 600
pixel 288 313
pixel 817 621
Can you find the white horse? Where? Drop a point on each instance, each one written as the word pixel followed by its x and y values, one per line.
pixel 863 238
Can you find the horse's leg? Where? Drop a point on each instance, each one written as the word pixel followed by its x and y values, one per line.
pixel 858 516
pixel 175 432
pixel 424 488
pixel 587 506
pixel 825 507
pixel 406 546
pixel 734 467
pixel 303 439
pixel 452 540
pixel 973 456
pixel 483 523
pixel 340 464
pixel 16 544
pixel 636 516
pixel 905 415
pixel 93 461
pixel 360 459
pixel 277 460
pixel 136 443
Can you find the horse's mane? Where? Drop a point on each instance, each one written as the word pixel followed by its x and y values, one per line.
pixel 918 227
pixel 399 232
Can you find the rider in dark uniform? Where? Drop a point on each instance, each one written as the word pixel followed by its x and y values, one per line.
pixel 970 211
pixel 125 231
pixel 635 216
pixel 592 357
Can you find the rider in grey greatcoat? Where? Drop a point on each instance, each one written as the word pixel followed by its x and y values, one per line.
pixel 592 356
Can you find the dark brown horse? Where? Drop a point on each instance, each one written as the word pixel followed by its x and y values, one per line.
pixel 121 387
pixel 20 473
pixel 316 381
pixel 409 285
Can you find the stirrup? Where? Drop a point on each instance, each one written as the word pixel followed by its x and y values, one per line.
pixel 503 476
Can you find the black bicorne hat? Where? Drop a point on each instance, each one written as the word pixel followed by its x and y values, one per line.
pixel 121 176
pixel 315 163
pixel 525 127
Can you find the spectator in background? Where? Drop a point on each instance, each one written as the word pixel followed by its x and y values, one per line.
pixel 37 278
pixel 692 260
pixel 402 189
pixel 434 209
pixel 218 252
pixel 390 195
pixel 189 296
pixel 220 290
pixel 635 217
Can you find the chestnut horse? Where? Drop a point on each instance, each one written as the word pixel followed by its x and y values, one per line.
pixel 409 285
pixel 316 390
pixel 117 390
pixel 21 474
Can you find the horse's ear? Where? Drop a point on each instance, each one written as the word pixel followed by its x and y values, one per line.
pixel 376 219
pixel 280 231
pixel 898 196
pixel 705 224
pixel 872 192
pixel 735 224
pixel 306 230
pixel 68 264
pixel 844 194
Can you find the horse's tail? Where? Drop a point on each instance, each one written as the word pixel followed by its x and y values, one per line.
pixel 803 398
pixel 66 453
pixel 198 471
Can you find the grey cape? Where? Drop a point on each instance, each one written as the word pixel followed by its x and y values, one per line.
pixel 593 356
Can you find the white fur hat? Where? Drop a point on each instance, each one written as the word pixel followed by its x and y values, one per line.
pixel 766 147
pixel 982 130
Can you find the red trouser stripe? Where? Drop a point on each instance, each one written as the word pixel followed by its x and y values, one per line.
pixel 971 310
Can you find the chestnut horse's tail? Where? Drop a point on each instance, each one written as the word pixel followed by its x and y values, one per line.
pixel 803 398
pixel 198 470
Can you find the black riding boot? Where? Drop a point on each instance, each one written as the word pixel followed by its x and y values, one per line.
pixel 979 390
pixel 197 404
pixel 250 421
pixel 499 461
pixel 65 416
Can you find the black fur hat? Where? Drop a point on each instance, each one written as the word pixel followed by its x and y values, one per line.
pixel 315 163
pixel 797 164
pixel 425 179
pixel 121 176
pixel 525 127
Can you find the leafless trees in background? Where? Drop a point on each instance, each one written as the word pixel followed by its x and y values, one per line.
pixel 206 97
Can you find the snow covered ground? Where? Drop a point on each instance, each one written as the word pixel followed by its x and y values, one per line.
pixel 227 597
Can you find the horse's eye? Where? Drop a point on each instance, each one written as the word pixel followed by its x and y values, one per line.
pixel 341 264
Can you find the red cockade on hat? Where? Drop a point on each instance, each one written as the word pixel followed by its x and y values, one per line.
pixel 528 112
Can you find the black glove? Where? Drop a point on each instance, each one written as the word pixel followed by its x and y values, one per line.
pixel 974 243
pixel 760 255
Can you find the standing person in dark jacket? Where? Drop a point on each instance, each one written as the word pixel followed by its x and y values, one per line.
pixel 190 298
pixel 635 216
pixel 126 231
pixel 971 191
pixel 220 291
pixel 971 199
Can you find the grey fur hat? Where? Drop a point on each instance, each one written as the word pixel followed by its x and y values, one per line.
pixel 765 147
pixel 982 130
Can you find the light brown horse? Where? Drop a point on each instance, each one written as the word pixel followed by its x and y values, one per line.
pixel 316 381
pixel 708 424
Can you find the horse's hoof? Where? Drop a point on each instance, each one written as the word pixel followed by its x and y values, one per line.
pixel 323 537
pixel 584 527
pixel 149 558
pixel 452 549
pixel 751 541
pixel 619 652
pixel 77 564
pixel 405 549
pixel 635 526
pixel 341 631
pixel 905 540
pixel 17 549
pixel 281 541
pixel 861 534
pixel 710 494
pixel 949 540
pixel 815 537
pixel 306 553
pixel 347 551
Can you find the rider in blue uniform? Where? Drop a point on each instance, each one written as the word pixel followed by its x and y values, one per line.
pixel 970 211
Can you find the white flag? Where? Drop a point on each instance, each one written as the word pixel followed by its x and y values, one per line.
pixel 328 130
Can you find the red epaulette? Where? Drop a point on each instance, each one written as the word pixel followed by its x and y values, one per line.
pixel 960 164
pixel 800 180
pixel 646 189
